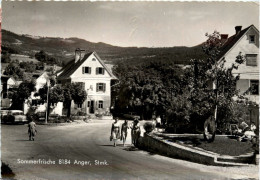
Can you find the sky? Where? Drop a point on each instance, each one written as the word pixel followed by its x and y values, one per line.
pixel 141 24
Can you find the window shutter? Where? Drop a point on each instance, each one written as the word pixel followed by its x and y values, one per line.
pixel 89 70
pixel 97 86
pixel 83 70
pixel 104 87
pixel 251 59
pixel 97 70
pixel 103 71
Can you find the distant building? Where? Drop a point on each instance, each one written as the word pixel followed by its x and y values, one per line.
pixel 89 69
pixel 245 41
pixel 7 85
pixel 35 101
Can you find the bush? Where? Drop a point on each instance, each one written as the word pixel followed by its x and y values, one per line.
pixel 80 113
pixel 148 127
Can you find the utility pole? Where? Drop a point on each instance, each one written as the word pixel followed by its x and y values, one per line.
pixel 47 105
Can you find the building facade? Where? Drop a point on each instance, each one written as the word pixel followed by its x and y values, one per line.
pixel 246 42
pixel 90 70
pixel 35 101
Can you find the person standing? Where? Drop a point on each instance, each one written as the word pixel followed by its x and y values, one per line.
pixel 115 131
pixel 135 132
pixel 124 131
pixel 32 130
pixel 158 122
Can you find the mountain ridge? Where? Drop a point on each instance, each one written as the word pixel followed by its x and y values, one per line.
pixel 63 49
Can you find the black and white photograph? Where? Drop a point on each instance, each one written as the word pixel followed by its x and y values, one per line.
pixel 129 90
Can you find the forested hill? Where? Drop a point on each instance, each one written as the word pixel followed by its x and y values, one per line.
pixel 63 49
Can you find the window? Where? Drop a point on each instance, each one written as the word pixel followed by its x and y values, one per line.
pixel 251 59
pixel 101 87
pixel 251 38
pixel 100 104
pixel 88 103
pixel 93 59
pixel 100 70
pixel 254 84
pixel 86 70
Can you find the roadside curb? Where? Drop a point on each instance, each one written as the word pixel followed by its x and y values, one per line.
pixel 161 146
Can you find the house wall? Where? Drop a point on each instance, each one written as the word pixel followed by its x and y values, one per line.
pixel 90 81
pixel 42 108
pixel 247 73
pixel 41 81
pixel 10 83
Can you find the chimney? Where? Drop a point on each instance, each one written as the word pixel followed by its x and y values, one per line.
pixel 224 38
pixel 238 29
pixel 79 54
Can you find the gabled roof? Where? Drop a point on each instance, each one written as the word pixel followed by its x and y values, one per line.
pixel 71 67
pixel 104 65
pixel 232 41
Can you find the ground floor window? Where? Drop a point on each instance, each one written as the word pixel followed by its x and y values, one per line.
pixel 254 84
pixel 100 104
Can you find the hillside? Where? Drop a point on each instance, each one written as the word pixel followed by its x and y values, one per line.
pixel 63 49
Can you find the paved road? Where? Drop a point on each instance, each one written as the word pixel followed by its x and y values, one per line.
pixel 90 142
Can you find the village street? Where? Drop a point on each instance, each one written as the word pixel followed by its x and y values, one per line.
pixel 90 142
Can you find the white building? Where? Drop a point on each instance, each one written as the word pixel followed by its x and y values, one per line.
pixel 35 100
pixel 245 41
pixel 96 76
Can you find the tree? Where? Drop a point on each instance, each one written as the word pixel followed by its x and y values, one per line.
pixel 54 93
pixel 202 74
pixel 14 70
pixel 20 94
pixel 41 56
pixel 75 92
pixel 147 88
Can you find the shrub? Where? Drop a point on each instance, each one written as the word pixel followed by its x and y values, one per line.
pixel 148 127
pixel 80 113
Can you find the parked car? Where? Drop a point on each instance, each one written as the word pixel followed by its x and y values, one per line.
pixel 14 116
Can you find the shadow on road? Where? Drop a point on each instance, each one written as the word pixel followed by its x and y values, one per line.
pixel 131 148
pixel 108 145
pixel 7 172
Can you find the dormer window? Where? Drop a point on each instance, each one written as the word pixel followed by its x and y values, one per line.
pixel 86 70
pixel 251 38
pixel 100 70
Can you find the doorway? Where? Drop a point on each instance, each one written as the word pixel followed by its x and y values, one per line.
pixel 91 107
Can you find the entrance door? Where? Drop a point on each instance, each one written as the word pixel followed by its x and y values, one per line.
pixel 91 108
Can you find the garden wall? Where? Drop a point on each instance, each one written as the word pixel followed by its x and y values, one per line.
pixel 159 146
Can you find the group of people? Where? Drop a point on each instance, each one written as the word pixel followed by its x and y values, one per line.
pixel 118 133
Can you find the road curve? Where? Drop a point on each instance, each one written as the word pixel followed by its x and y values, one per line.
pixel 88 143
